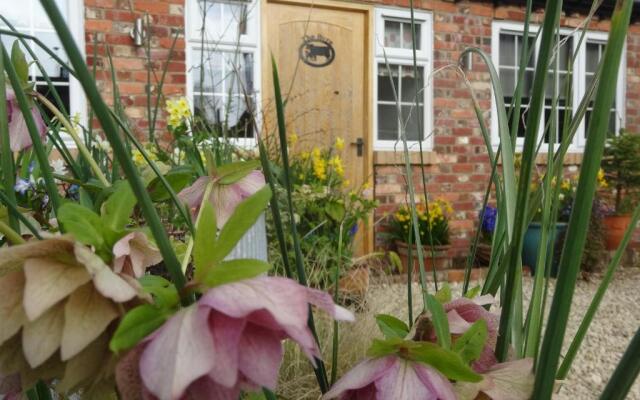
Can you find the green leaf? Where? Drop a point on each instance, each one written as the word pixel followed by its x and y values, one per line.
pixel 84 224
pixel 244 217
pixel 471 343
pixel 205 241
pixel 335 211
pixel 440 321
pixel 232 173
pixel 395 260
pixel 444 295
pixel 164 292
pixel 136 325
pixel 381 348
pixel 177 178
pixel 447 362
pixel 20 63
pixel 235 270
pixel 116 210
pixel 391 327
pixel 473 292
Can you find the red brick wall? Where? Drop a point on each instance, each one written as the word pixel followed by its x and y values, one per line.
pixel 459 168
pixel 109 22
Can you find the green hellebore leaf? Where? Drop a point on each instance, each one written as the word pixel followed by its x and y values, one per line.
pixel 440 321
pixel 447 362
pixel 243 218
pixel 85 225
pixel 232 173
pixel 234 270
pixel 471 343
pixel 392 327
pixel 116 210
pixel 164 292
pixel 335 211
pixel 381 348
pixel 136 325
pixel 178 178
pixel 473 292
pixel 20 63
pixel 444 294
pixel 205 242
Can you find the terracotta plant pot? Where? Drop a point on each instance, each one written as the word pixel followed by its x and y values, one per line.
pixel 614 227
pixel 441 259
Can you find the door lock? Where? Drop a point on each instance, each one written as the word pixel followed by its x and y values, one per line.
pixel 359 146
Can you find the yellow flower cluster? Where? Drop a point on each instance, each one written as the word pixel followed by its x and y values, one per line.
pixel 438 210
pixel 138 158
pixel 565 185
pixel 339 144
pixel 293 139
pixel 178 111
pixel 336 163
pixel 602 181
pixel 319 164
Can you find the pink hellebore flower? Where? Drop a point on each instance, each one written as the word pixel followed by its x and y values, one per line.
pixel 506 381
pixel 230 340
pixel 224 198
pixel 462 313
pixel 392 378
pixel 19 138
pixel 133 254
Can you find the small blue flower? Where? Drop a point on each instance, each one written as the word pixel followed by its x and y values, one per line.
pixel 488 218
pixel 353 230
pixel 22 186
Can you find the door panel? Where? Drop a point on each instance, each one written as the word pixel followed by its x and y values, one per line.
pixel 322 54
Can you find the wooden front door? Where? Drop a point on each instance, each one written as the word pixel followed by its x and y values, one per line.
pixel 322 53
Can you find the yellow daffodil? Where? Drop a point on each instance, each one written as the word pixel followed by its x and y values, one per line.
pixel 339 144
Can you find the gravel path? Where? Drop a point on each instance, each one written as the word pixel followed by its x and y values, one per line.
pixel 611 330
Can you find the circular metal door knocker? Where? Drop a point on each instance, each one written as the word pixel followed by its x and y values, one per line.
pixel 316 51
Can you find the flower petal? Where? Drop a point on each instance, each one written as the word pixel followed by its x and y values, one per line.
pixel 511 380
pixel 205 388
pixel 436 382
pixel 85 366
pixel 324 301
pixel 128 378
pixel 11 311
pixel 260 356
pixel 133 254
pixel 47 282
pixel 104 279
pixel 86 315
pixel 13 257
pixel 226 198
pixel 180 352
pixel 457 324
pixel 192 195
pixel 226 333
pixel 402 382
pixel 41 338
pixel 363 374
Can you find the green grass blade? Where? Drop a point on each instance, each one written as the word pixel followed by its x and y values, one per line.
pixel 563 371
pixel 38 147
pixel 578 223
pixel 552 16
pixel 8 168
pixel 111 131
pixel 320 370
pixel 625 373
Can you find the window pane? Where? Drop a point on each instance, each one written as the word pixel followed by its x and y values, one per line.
pixel 565 54
pixel 410 84
pixel 17 16
pixel 385 88
pixel 217 20
pixel 226 116
pixel 508 50
pixel 387 122
pixel 52 41
pixel 410 115
pixel 63 92
pixel 593 56
pixel 407 37
pixel 508 81
pixel 238 73
pixel 392 37
pixel 206 71
pixel 612 124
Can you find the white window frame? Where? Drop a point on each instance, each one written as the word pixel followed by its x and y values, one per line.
pixel 578 79
pixel 77 99
pixel 248 43
pixel 396 56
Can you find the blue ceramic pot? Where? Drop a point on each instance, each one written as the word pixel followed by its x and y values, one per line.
pixel 532 243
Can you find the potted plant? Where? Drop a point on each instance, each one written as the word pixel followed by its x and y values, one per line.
pixel 621 165
pixel 433 224
pixel 533 235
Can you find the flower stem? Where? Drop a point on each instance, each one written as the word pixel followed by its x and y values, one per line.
pixel 11 235
pixel 74 135
pixel 187 254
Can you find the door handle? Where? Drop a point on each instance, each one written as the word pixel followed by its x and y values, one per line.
pixel 359 143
